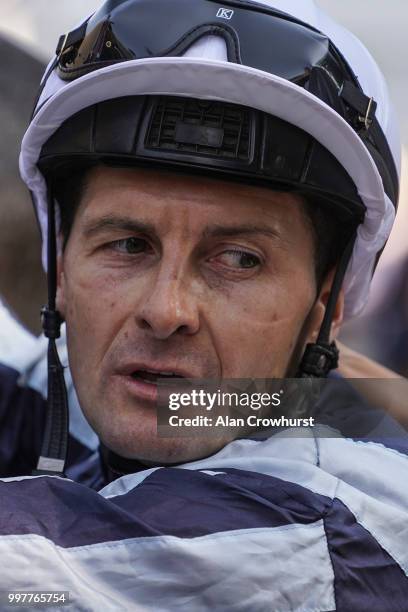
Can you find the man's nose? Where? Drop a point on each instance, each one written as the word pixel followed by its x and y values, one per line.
pixel 170 307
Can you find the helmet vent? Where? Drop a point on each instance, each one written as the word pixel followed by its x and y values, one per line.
pixel 192 126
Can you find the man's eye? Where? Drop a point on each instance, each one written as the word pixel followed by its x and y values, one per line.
pixel 130 246
pixel 238 259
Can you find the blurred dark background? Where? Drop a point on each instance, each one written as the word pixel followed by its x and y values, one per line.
pixel 22 285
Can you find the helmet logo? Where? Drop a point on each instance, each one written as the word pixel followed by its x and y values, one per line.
pixel 224 13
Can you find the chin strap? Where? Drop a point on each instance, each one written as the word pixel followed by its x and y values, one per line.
pixel 55 441
pixel 322 356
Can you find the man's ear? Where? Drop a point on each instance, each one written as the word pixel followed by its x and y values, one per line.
pixel 320 308
pixel 61 286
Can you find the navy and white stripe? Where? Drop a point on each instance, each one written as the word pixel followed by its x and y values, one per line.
pixel 283 534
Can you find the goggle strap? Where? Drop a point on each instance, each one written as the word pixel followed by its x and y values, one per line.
pixel 72 38
pixel 361 103
pixel 366 108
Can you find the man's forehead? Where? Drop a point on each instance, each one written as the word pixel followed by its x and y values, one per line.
pixel 152 195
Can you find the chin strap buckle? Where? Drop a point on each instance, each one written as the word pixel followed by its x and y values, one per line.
pixel 51 323
pixel 319 359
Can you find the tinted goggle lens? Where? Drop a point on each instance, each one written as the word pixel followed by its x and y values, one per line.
pixel 268 41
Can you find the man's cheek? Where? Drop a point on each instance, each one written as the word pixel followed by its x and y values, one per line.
pixel 260 346
pixel 83 318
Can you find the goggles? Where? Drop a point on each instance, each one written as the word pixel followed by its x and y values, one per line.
pixel 255 36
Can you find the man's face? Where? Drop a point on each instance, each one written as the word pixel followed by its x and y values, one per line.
pixel 197 277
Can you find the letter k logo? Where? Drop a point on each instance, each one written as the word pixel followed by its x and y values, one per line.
pixel 224 13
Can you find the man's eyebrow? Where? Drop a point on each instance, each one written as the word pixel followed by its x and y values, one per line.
pixel 215 231
pixel 126 224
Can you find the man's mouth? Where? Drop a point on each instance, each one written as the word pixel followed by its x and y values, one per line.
pixel 153 377
pixel 143 383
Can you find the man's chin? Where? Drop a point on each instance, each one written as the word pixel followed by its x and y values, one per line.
pixel 131 432
pixel 165 451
